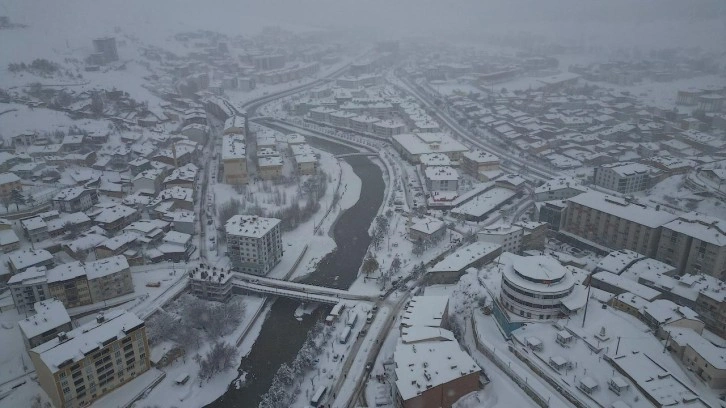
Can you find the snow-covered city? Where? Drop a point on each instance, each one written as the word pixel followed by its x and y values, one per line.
pixel 374 204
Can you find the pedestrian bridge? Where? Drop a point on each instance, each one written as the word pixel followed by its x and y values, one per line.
pixel 340 156
pixel 295 290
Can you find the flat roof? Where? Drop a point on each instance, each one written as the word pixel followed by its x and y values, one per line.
pixel 250 225
pixel 637 213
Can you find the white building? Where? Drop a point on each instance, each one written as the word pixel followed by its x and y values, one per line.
pixel 508 236
pixel 254 243
pixel 623 177
pixel 441 178
pixel 539 288
pixel 50 318
pixel 28 287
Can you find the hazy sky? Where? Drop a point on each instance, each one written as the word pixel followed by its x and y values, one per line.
pixel 612 22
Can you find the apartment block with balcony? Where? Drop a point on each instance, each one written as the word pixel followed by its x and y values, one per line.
pixel 254 243
pixel 694 244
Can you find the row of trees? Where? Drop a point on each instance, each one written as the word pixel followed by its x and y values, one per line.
pixel 17 199
pixel 286 384
pixel 39 66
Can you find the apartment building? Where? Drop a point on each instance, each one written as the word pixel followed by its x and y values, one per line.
pixel 615 222
pixel 27 288
pixel 441 178
pixel 234 159
pixel 254 243
pixel 50 318
pixel 79 366
pixel 74 199
pixel 694 243
pixel 623 177
pixel 8 183
pixel 476 162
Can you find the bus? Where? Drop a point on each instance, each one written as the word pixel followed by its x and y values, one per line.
pixel 337 309
pixel 352 319
pixel 317 398
pixel 345 335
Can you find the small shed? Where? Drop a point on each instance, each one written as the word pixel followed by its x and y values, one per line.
pixel 534 343
pixel 618 385
pixel 560 363
pixel 182 379
pixel 564 338
pixel 588 385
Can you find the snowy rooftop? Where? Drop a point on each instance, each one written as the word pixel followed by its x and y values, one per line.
pixel 539 268
pixel 713 355
pixel 417 334
pixel 655 380
pixel 485 203
pixel 701 227
pixel 87 339
pixel 420 143
pixel 68 194
pixel 625 169
pixel 22 259
pixel 250 226
pixel 270 161
pixel 441 173
pixel 49 314
pixel 425 224
pixel 112 214
pixel 480 156
pixel 176 237
pixel 621 208
pixel 119 240
pixel 664 311
pixel 426 311
pixel 626 285
pixel 8 178
pixel 686 286
pixel 617 261
pixel 422 366
pixel 465 256
pixel 233 147
pixel 559 184
pixel 29 276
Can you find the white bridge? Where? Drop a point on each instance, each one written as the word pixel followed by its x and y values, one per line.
pixel 295 290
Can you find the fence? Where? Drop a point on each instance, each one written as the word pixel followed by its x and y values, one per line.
pixel 483 348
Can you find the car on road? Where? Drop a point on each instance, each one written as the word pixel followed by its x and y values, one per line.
pixel 369 366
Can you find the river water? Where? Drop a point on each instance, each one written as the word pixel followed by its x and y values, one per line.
pixel 282 335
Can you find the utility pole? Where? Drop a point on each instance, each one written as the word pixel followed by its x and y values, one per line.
pixel 587 300
pixel 617 347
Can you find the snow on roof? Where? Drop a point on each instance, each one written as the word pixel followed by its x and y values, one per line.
pixel 617 261
pixel 539 268
pixel 86 242
pixel 187 172
pixel 119 240
pixel 112 214
pixel 701 227
pixel 500 229
pixel 8 178
pixel 653 379
pixel 485 202
pixel 68 194
pixel 34 223
pixel 441 173
pixel 621 208
pixel 480 156
pixel 463 257
pixel 250 226
pixel 626 285
pixel 176 237
pixel 665 311
pixel 87 339
pixel 427 225
pixel 8 237
pixel 233 147
pixel 435 159
pixel 626 169
pixel 420 143
pixel 425 311
pixel 415 334
pixel 49 314
pixel 270 161
pixel 146 226
pixel 713 355
pixel 29 276
pixel 422 366
pixel 22 259
pixel 559 183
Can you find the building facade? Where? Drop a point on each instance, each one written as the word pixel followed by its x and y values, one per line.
pixel 694 244
pixel 254 243
pixel 74 374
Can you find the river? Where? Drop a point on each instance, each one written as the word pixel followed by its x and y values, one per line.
pixel 282 335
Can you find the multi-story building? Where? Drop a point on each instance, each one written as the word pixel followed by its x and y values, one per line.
pixel 79 366
pixel 615 222
pixel 50 318
pixel 694 243
pixel 476 162
pixel 28 287
pixel 699 355
pixel 508 236
pixel 441 178
pixel 105 49
pixel 269 168
pixel 254 243
pixel 23 259
pixel 108 278
pixel 234 159
pixel 539 288
pixel 623 177
pixel 426 229
pixel 560 188
pixel 211 285
pixel 306 162
pixel 74 199
pixel 8 183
